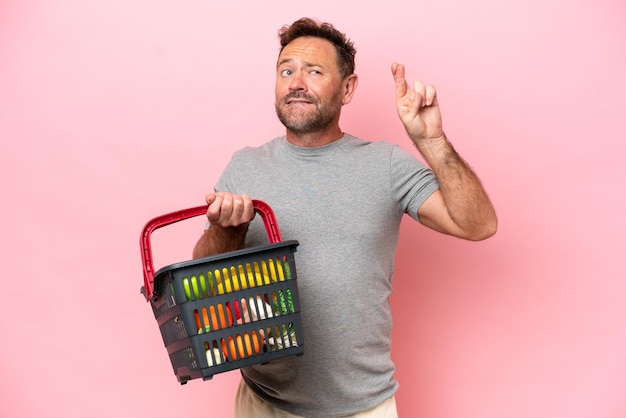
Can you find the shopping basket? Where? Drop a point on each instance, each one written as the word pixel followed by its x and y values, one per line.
pixel 227 311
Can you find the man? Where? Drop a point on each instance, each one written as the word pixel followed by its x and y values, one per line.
pixel 342 198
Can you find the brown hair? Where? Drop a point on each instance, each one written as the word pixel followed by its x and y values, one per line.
pixel 309 27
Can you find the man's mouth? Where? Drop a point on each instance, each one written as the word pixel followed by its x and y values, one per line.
pixel 298 102
pixel 293 99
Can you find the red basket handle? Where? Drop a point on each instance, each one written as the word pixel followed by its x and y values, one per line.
pixel 262 208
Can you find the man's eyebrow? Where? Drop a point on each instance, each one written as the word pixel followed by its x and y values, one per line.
pixel 306 63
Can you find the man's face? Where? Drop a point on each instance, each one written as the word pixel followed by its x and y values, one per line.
pixel 308 85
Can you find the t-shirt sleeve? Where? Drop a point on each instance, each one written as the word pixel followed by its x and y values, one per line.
pixel 229 179
pixel 411 181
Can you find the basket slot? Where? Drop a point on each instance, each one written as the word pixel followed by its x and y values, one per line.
pixel 184 364
pixel 281 336
pixel 251 305
pixel 226 280
pixel 244 344
pixel 213 317
pixel 172 329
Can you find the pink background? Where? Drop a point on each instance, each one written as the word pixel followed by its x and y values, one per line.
pixel 113 112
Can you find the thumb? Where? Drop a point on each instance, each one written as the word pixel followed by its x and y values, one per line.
pixel 210 198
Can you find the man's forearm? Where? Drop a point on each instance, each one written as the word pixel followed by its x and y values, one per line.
pixel 217 240
pixel 465 198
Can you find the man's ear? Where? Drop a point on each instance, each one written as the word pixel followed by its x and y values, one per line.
pixel 349 87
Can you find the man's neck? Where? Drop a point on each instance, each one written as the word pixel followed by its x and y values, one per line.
pixel 314 139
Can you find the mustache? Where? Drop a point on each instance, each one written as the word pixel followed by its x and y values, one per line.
pixel 299 95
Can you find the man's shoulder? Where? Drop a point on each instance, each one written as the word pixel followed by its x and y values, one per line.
pixel 378 143
pixel 377 146
pixel 254 150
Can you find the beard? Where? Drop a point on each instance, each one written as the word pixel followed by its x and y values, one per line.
pixel 307 121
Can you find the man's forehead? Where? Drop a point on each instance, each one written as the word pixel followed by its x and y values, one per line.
pixel 314 51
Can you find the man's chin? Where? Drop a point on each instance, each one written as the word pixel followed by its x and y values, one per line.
pixel 295 124
pixel 303 122
pixel 299 129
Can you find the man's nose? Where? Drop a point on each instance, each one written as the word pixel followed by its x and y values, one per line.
pixel 297 82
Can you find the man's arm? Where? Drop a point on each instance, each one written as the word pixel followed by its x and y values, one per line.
pixel 461 206
pixel 229 216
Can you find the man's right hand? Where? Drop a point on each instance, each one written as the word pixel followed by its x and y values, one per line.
pixel 229 215
pixel 229 210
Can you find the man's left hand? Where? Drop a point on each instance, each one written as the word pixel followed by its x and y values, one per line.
pixel 417 107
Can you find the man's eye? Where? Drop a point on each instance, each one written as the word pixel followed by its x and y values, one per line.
pixel 315 72
pixel 285 73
